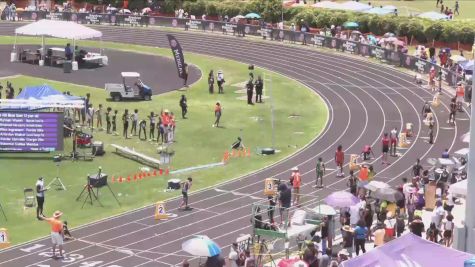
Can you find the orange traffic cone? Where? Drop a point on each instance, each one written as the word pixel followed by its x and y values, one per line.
pixel 226 156
pixel 248 152
pixel 120 179
pixel 128 179
pixel 167 171
pixel 160 171
pixel 135 177
pixel 154 172
pixel 112 180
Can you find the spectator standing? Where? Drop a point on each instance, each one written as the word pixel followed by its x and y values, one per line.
pixel 352 183
pixel 183 106
pixel 259 84
pixel 400 225
pixel 135 119
pixel 40 197
pixel 296 182
pixel 125 122
pixel 285 199
pixel 108 119
pixel 326 258
pixel 114 122
pixel 99 118
pixel 438 214
pixel 250 260
pixel 249 91
pixel 324 228
pixel 432 233
pixel 379 234
pixel 348 238
pixel 360 237
pixel 233 257
pixel 417 226
pixel 417 168
pixel 448 230
pixel 211 82
pixel 57 235
pixel 310 255
pixel 390 226
pixel 217 114
pixel 456 8
pixel 221 81
pixel 320 171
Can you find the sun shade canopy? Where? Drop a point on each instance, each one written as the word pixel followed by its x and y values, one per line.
pixel 58 29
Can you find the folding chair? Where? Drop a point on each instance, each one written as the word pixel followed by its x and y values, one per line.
pixel 30 199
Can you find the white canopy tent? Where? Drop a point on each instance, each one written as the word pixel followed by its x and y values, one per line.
pixel 57 29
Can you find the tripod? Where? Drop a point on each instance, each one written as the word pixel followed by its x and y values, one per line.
pixel 57 181
pixel 90 194
pixel 3 212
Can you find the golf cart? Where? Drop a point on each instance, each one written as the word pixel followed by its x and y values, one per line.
pixel 120 91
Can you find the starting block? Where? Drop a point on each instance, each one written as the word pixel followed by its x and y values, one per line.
pixel 160 212
pixel 436 100
pixel 270 188
pixel 354 162
pixel 403 140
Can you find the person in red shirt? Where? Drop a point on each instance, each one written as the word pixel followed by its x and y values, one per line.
pixel 296 182
pixel 339 158
pixel 367 151
pixel 385 143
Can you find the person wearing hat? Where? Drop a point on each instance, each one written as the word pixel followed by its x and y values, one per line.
pixel 348 238
pixel 296 182
pixel 40 197
pixel 57 234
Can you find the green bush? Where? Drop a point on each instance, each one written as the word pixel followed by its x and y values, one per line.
pixel 434 31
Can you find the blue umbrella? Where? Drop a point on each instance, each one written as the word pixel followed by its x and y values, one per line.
pixel 252 16
pixel 201 246
pixel 350 24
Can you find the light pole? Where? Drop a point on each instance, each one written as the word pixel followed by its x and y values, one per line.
pixel 470 200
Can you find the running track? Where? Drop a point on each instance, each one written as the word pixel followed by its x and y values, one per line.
pixel 364 99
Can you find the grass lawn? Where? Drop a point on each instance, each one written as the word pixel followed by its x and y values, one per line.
pixel 406 8
pixel 197 142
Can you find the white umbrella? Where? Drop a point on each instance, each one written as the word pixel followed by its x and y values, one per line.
pixel 466 138
pixel 324 210
pixel 375 185
pixel 457 58
pixel 201 246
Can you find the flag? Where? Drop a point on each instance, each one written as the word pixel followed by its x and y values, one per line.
pixel 178 55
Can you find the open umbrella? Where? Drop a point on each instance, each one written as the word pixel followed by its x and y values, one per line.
pixel 375 185
pixel 466 138
pixel 350 24
pixel 252 16
pixel 201 246
pixel 388 194
pixel 457 58
pixel 341 199
pixel 324 210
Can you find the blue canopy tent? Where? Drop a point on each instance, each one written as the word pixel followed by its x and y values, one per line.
pixel 42 96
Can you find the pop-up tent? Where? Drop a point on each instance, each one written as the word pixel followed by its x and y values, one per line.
pixel 42 96
pixel 409 250
pixel 57 29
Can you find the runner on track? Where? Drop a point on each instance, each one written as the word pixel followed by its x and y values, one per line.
pixel 339 159
pixel 394 138
pixel 385 143
pixel 320 171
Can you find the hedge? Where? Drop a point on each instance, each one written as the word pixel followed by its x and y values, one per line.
pixel 422 30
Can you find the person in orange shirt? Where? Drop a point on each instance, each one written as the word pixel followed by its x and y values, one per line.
pixel 217 114
pixel 57 234
pixel 296 182
pixel 166 124
pixel 460 92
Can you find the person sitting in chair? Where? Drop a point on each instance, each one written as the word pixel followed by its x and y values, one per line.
pixel 238 144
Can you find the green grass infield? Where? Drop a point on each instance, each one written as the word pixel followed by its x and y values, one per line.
pixel 197 143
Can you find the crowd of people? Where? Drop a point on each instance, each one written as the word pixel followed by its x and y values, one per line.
pixel 161 126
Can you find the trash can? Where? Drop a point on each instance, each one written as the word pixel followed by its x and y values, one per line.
pixel 67 66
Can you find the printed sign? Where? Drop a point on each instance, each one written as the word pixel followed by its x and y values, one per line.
pixel 4 239
pixel 93 18
pixel 54 16
pixel 194 24
pixel 160 212
pixel 319 40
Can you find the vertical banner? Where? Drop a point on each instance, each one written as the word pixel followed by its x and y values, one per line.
pixel 178 55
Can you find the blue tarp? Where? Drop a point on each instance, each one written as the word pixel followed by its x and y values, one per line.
pixel 42 92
